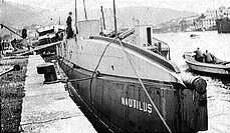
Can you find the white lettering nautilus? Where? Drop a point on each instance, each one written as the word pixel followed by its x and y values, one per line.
pixel 132 103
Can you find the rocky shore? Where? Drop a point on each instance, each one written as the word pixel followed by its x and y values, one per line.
pixel 12 91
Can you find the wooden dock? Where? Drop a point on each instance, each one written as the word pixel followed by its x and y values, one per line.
pixel 48 108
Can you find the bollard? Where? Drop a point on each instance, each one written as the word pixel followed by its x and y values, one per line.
pixel 16 68
pixel 194 114
pixel 196 83
pixel 48 70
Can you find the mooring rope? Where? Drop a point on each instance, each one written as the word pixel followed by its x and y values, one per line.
pixel 77 80
pixel 102 55
pixel 50 120
pixel 99 62
pixel 145 90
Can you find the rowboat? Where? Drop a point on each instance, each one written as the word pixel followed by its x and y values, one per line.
pixel 194 35
pixel 218 68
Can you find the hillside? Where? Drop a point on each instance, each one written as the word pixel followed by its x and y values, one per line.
pixel 15 15
pixel 128 16
pixel 18 15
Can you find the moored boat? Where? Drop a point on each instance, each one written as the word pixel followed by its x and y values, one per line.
pixel 218 68
pixel 193 35
pixel 49 34
pixel 129 87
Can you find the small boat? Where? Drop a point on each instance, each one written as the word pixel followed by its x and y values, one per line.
pixel 194 35
pixel 48 34
pixel 48 37
pixel 219 68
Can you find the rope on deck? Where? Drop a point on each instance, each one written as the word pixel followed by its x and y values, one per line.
pixel 102 55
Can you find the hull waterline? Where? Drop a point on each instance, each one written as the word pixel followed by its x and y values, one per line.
pixel 114 91
pixel 122 104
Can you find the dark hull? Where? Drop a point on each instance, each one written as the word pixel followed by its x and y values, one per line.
pixel 104 96
pixel 223 25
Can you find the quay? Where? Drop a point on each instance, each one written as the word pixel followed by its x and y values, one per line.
pixel 48 108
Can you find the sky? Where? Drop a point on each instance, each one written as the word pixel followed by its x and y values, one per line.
pixel 198 6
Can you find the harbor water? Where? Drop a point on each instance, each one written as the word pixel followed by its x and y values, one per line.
pixel 218 89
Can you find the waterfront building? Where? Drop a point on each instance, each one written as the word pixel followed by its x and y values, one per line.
pixel 223 12
pixel 207 20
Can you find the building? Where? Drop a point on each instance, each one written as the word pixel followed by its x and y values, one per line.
pixel 207 20
pixel 208 23
pixel 188 23
pixel 223 12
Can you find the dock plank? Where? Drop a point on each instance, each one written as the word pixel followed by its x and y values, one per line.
pixel 47 108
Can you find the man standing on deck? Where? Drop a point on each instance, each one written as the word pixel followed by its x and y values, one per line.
pixel 1 47
pixel 69 30
pixel 199 56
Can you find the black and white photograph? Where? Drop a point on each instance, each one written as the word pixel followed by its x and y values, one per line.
pixel 115 66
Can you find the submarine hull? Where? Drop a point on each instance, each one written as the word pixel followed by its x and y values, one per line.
pixel 121 103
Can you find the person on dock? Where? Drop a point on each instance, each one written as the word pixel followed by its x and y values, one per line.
pixel 69 26
pixel 208 57
pixel 199 55
pixel 1 46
